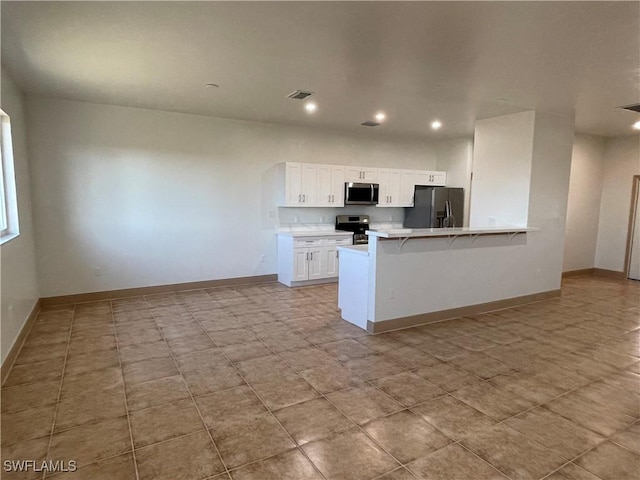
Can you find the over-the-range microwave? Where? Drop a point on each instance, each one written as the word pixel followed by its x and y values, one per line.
pixel 361 193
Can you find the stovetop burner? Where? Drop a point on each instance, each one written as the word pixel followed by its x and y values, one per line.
pixel 357 224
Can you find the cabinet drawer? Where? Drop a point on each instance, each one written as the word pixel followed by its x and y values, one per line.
pixel 340 241
pixel 307 242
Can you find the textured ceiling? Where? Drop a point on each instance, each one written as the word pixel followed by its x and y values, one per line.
pixel 415 61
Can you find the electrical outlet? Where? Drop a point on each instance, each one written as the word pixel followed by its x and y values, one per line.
pixel 97 272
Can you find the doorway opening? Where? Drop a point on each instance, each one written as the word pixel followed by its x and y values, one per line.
pixel 632 256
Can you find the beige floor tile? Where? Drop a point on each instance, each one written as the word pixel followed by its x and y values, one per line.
pixel 611 462
pixel 410 357
pixel 191 343
pixel 448 377
pixel 305 358
pixel 613 397
pixel 399 474
pixel 555 432
pixel 331 377
pixel 455 463
pixel 497 404
pixel 27 424
pixel 347 349
pixel 349 455
pixel 629 438
pixel 91 344
pixel 192 457
pixel 224 406
pixel 35 449
pixel 31 354
pixel 115 468
pixel 95 380
pixel 90 407
pixel 363 404
pixel 146 370
pixel 596 417
pixel 374 366
pixel 408 388
pixel 453 417
pixel 201 359
pixel 406 436
pixel 265 368
pixel 156 392
pixel 245 351
pixel 572 472
pixel 248 438
pixel 283 392
pixel 139 334
pixel 164 422
pixel 312 420
pixel 21 397
pixel 527 386
pixel 87 362
pixel 291 465
pixel 512 453
pixel 144 351
pixel 35 372
pixel 89 443
pixel 182 330
pixel 235 336
pixel 481 365
pixel 208 380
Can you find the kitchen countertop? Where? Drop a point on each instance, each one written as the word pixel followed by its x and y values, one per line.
pixel 444 232
pixel 314 233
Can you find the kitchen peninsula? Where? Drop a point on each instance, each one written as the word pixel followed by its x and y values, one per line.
pixel 412 276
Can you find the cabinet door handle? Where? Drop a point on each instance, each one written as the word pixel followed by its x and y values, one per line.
pixel 333 199
pixel 299 198
pixel 337 252
pixel 306 256
pixel 311 255
pixel 304 198
pixel 390 198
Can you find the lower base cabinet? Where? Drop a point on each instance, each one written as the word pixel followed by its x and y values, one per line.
pixel 307 260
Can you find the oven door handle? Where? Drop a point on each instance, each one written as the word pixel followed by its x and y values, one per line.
pixel 372 194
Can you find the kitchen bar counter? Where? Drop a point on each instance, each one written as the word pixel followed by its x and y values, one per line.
pixel 444 232
pixel 313 233
pixel 415 276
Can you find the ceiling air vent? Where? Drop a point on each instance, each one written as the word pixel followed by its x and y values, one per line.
pixel 633 108
pixel 370 124
pixel 299 95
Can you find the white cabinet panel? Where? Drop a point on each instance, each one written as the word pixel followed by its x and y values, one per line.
pixel 337 186
pixel 309 259
pixel 300 264
pixel 330 261
pixel 361 174
pixel 436 179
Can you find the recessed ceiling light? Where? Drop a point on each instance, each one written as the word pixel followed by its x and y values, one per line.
pixel 436 124
pixel 212 85
pixel 380 116
pixel 310 107
pixel 636 126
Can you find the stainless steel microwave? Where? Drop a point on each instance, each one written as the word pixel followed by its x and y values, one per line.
pixel 361 193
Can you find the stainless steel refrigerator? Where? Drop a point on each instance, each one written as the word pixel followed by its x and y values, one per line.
pixel 435 207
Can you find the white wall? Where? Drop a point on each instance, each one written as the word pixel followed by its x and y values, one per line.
pixel 583 209
pixel 19 284
pixel 502 170
pixel 621 163
pixel 153 198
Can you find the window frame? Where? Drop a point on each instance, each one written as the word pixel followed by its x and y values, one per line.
pixel 9 224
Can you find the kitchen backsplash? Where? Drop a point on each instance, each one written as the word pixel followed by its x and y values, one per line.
pixel 324 218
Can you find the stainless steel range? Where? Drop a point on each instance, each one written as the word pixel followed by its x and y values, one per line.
pixel 357 224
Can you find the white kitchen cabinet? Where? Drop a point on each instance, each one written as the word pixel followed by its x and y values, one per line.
pixel 396 187
pixel 307 260
pixel 436 179
pixel 330 186
pixel 361 174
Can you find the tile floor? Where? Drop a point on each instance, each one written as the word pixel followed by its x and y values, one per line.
pixel 265 382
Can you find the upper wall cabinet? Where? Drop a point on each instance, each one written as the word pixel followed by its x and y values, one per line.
pixel 436 179
pixel 361 174
pixel 311 185
pixel 319 185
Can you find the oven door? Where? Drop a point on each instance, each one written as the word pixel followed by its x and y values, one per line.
pixel 361 193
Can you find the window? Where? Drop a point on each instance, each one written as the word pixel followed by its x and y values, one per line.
pixel 8 200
